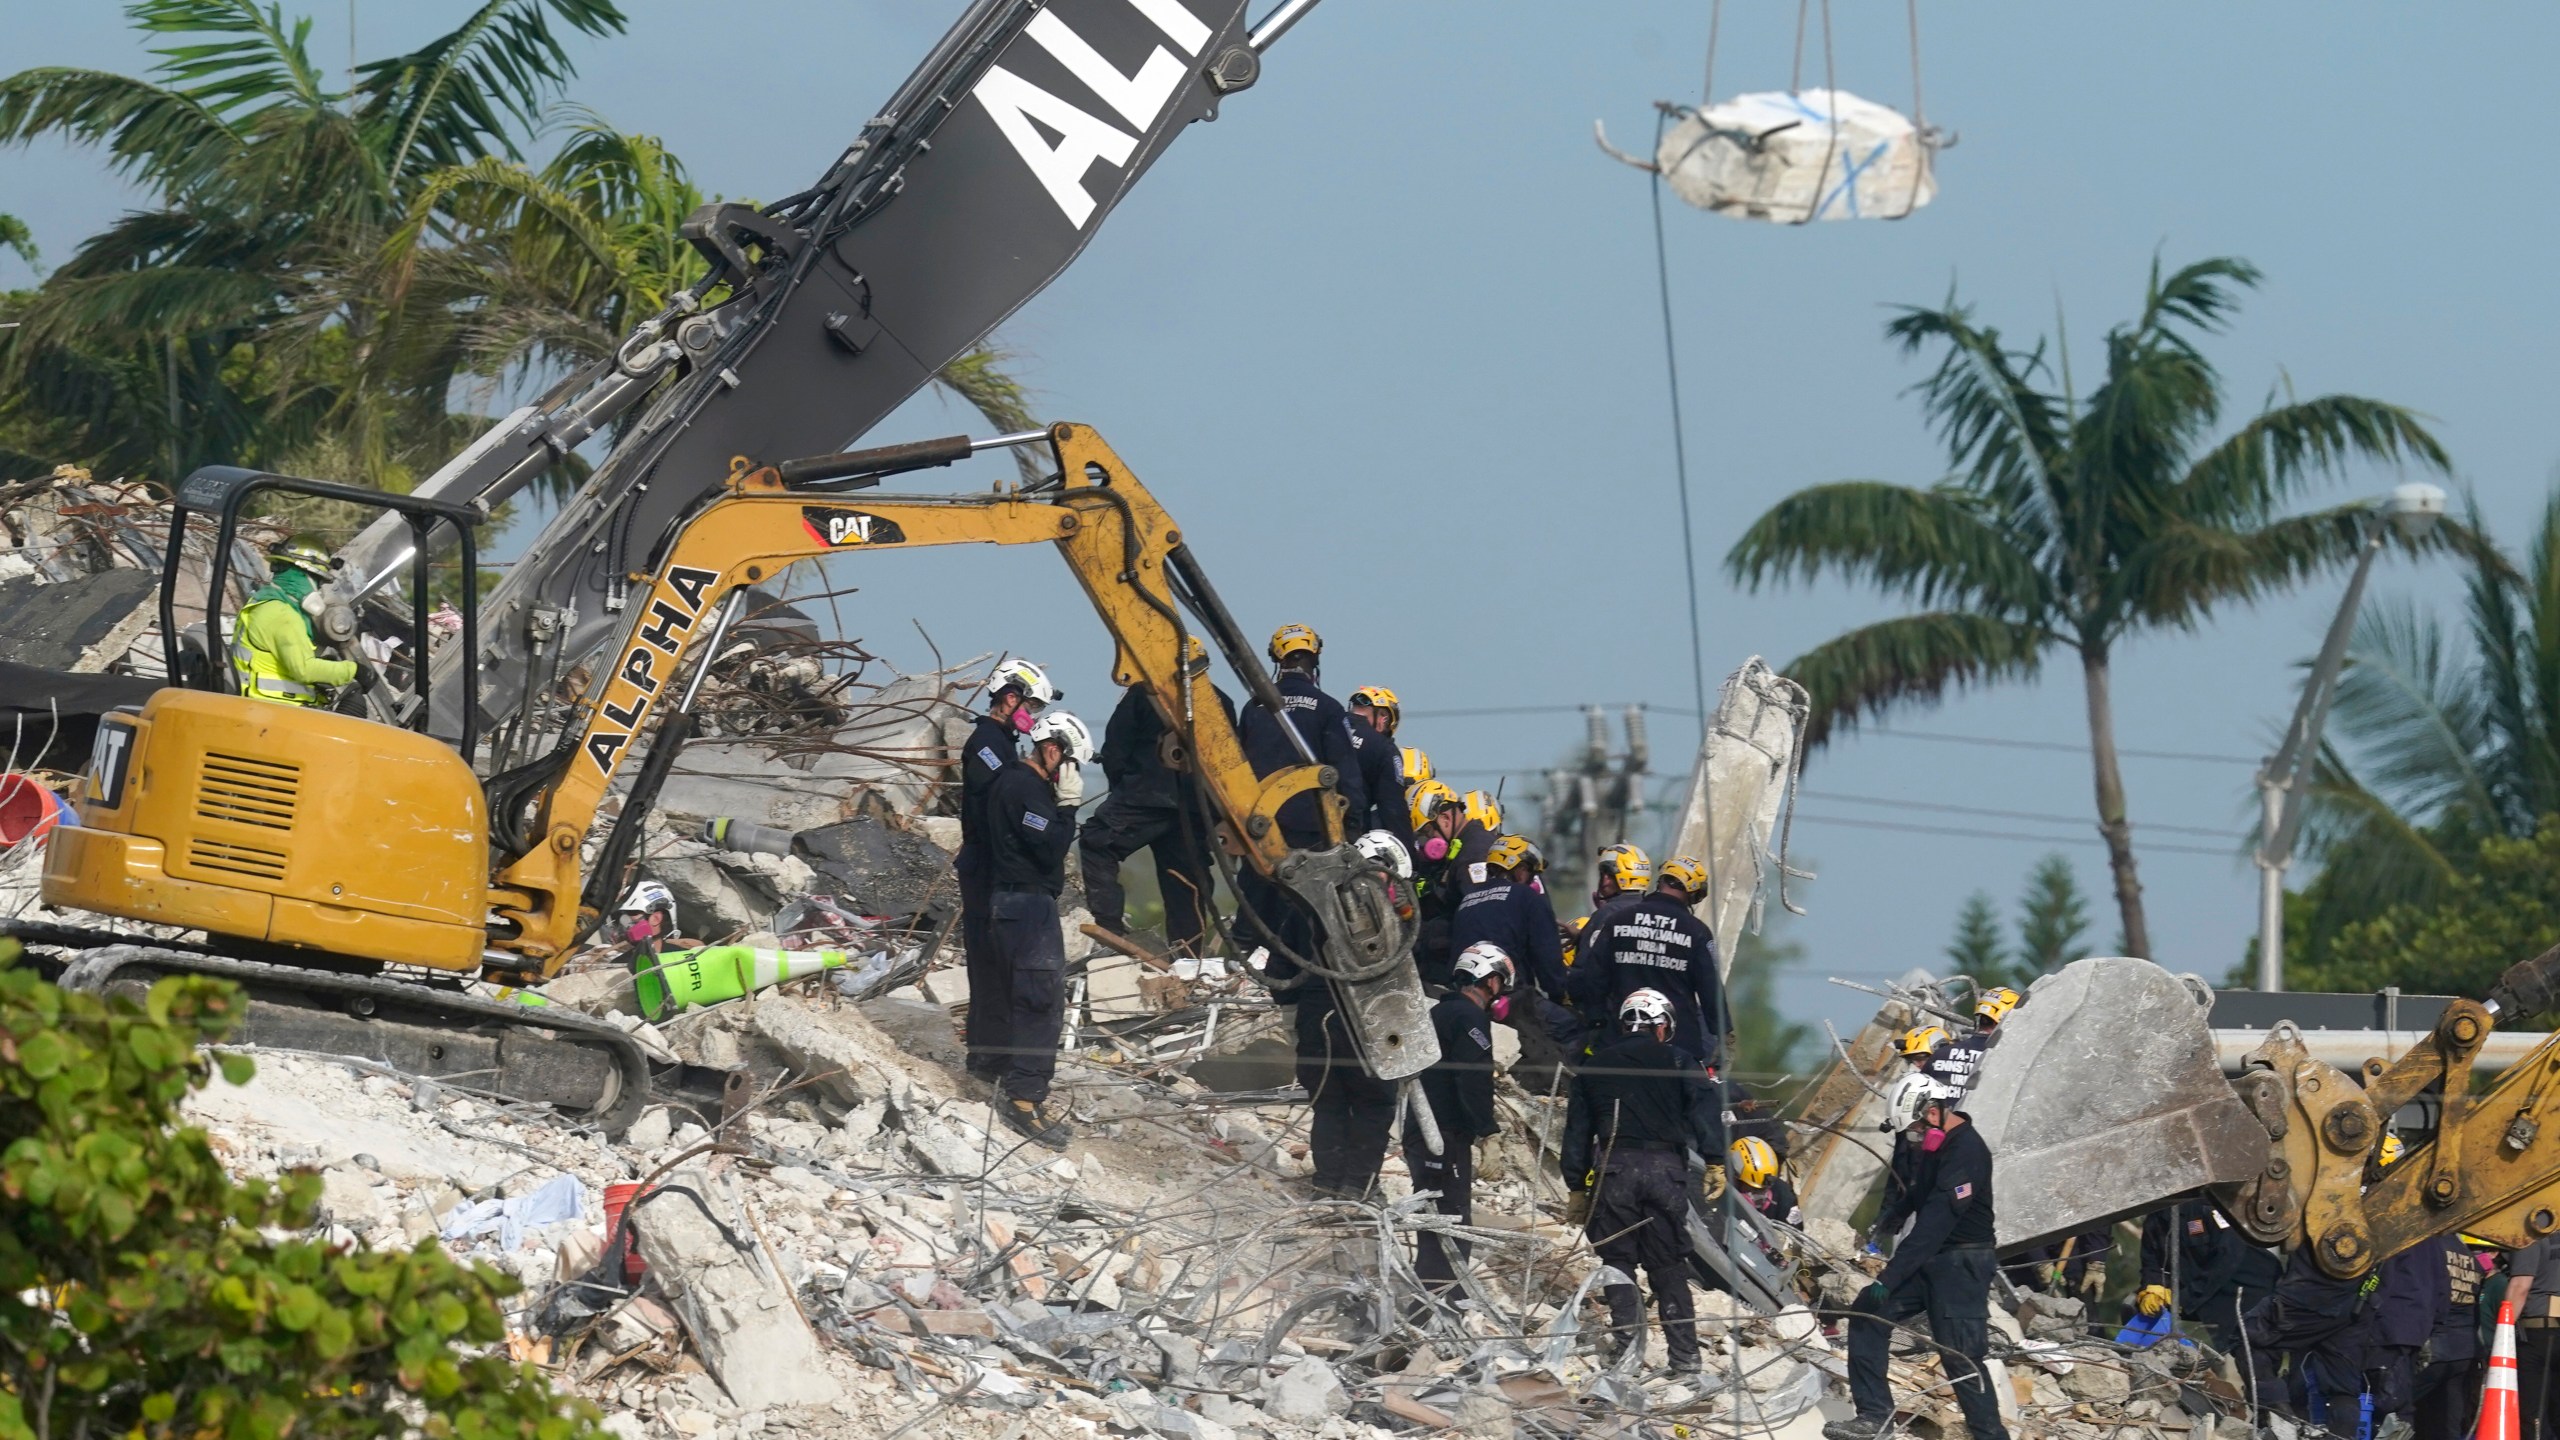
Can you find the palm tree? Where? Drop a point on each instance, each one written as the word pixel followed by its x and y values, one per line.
pixel 2456 738
pixel 270 188
pixel 2071 523
pixel 18 240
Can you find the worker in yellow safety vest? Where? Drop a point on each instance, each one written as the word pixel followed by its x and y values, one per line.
pixel 273 655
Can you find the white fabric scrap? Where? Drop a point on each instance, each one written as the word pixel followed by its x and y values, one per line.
pixel 557 1203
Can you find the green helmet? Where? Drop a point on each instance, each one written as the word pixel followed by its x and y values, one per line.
pixel 303 554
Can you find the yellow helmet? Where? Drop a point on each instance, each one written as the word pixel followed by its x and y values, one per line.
pixel 1573 942
pixel 1628 867
pixel 1685 873
pixel 304 554
pixel 1995 1004
pixel 1755 1163
pixel 2391 1151
pixel 1379 697
pixel 1415 764
pixel 1514 850
pixel 1922 1040
pixel 1484 810
pixel 1429 798
pixel 1291 640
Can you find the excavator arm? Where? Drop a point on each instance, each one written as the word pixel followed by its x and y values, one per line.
pixel 973 186
pixel 2492 1170
pixel 1129 557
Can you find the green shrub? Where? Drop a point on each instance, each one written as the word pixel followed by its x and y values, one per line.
pixel 144 1291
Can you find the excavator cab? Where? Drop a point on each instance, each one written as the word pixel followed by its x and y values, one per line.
pixel 288 827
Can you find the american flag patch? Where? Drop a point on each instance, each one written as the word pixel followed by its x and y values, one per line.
pixel 1035 820
pixel 989 756
pixel 1965 1191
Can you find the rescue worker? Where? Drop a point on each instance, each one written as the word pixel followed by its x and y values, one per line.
pixel 1621 874
pixel 1150 807
pixel 1412 767
pixel 1751 1165
pixel 2305 1348
pixel 1460 1092
pixel 1943 1267
pixel 274 651
pixel 1435 811
pixel 1017 691
pixel 1656 943
pixel 2191 1258
pixel 1510 912
pixel 1908 1094
pixel 2447 1393
pixel 1959 1060
pixel 1638 1103
pixel 2407 1299
pixel 1324 726
pixel 1031 824
pixel 1479 830
pixel 1375 712
pixel 2533 1288
pixel 1919 1046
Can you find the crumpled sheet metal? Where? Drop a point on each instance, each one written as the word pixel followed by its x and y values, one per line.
pixel 2103 1098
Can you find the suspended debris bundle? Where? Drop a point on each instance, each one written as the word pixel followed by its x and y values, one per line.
pixel 1792 158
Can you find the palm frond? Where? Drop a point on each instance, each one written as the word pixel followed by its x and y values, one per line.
pixel 1912 660
pixel 18 240
pixel 461 95
pixel 2180 573
pixel 2409 704
pixel 2200 297
pixel 2284 447
pixel 236 60
pixel 1935 547
pixel 979 380
pixel 157 136
pixel 2007 436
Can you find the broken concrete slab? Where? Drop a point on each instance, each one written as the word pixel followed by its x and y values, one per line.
pixel 733 1301
pixel 846 1056
pixel 1307 1393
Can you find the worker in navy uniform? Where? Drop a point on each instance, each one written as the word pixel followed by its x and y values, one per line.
pixel 1435 811
pixel 1152 807
pixel 1751 1168
pixel 2446 1395
pixel 1958 1059
pixel 1944 1267
pixel 1656 943
pixel 1031 824
pixel 2306 1347
pixel 2533 1288
pixel 1460 1092
pixel 1640 1106
pixel 2192 1256
pixel 1375 713
pixel 1017 691
pixel 1479 830
pixel 1510 910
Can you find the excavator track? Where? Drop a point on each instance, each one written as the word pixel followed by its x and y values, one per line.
pixel 545 1054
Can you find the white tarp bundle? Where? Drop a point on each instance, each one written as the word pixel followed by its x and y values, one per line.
pixel 1789 158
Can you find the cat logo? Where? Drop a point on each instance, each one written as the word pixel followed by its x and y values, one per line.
pixel 829 525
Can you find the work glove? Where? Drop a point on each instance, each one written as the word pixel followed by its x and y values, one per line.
pixel 1070 785
pixel 1711 1184
pixel 1871 1300
pixel 368 675
pixel 2151 1300
pixel 1577 1208
pixel 2093 1281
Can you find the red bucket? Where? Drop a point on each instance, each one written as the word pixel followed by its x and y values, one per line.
pixel 28 809
pixel 619 1236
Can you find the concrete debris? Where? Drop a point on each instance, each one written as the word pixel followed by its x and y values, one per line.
pixel 732 1296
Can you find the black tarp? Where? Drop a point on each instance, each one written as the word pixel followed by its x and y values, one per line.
pixel 49 717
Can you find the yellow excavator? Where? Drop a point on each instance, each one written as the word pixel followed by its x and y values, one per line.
pixel 352 874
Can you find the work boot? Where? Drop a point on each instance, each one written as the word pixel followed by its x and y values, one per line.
pixel 1857 1427
pixel 1045 1124
pixel 1626 1322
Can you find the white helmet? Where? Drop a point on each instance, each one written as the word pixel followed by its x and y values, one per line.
pixel 646 896
pixel 1483 960
pixel 1909 1096
pixel 1026 677
pixel 1385 851
pixel 1065 728
pixel 1643 1010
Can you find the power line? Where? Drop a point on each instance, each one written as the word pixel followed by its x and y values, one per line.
pixel 1940 737
pixel 1854 823
pixel 2208 831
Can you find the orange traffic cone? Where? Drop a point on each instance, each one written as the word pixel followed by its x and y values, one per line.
pixel 2499 1414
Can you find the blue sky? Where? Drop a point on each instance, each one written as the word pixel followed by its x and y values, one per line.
pixel 1385 337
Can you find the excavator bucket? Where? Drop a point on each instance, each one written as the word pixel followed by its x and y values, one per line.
pixel 2102 1098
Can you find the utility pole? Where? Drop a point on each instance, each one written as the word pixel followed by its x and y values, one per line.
pixel 2413 510
pixel 1595 800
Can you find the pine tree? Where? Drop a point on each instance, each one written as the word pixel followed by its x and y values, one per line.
pixel 2053 918
pixel 1768 1044
pixel 1976 949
